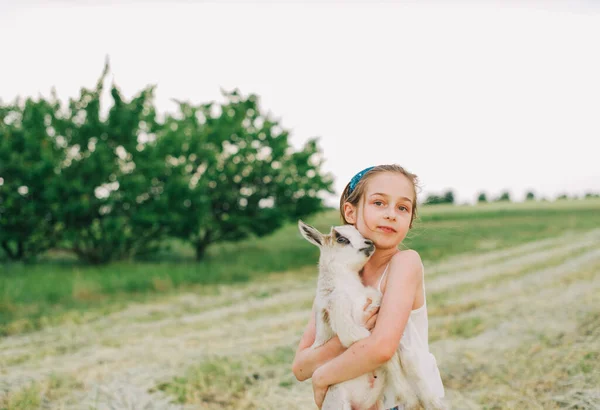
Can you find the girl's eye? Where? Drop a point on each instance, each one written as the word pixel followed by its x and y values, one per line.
pixel 378 202
pixel 343 240
pixel 403 208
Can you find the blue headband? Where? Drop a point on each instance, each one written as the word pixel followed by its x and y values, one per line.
pixel 357 178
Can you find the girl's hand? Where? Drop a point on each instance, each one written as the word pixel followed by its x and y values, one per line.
pixel 319 390
pixel 370 315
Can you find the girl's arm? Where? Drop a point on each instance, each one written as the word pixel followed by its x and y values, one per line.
pixel 368 354
pixel 307 360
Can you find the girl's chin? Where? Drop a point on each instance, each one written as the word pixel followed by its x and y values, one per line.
pixel 385 245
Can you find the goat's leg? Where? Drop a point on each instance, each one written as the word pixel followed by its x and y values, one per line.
pixel 344 324
pixel 336 399
pixel 323 332
pixel 403 389
pixel 427 399
pixel 378 406
pixel 374 295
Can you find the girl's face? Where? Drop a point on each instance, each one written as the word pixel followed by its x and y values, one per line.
pixel 384 212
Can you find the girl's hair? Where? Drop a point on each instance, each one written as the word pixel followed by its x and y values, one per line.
pixel 360 188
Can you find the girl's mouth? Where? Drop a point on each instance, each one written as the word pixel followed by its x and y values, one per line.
pixel 387 229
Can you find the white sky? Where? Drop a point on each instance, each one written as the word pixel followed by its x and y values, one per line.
pixel 467 96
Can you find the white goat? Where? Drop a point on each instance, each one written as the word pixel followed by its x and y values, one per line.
pixel 339 304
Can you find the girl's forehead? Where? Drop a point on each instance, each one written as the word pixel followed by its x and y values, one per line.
pixel 391 184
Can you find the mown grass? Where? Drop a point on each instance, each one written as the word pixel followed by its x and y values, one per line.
pixel 60 289
pixel 447 301
pixel 223 382
pixel 550 367
pixel 557 371
pixel 38 395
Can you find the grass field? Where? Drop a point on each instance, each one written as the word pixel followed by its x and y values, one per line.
pixel 512 291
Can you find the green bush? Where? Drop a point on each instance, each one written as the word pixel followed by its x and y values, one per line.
pixel 115 185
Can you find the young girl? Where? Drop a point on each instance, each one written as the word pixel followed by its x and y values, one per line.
pixel 381 202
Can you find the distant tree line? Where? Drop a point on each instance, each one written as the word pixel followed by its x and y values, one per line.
pixel 530 196
pixel 503 197
pixel 115 185
pixel 445 198
pixel 448 197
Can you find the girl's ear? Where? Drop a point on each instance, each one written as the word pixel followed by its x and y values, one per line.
pixel 310 234
pixel 350 213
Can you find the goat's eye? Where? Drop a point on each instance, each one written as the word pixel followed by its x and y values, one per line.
pixel 343 240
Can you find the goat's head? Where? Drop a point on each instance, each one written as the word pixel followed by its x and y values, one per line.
pixel 344 244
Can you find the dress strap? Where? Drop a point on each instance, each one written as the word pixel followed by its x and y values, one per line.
pixel 423 278
pixel 381 278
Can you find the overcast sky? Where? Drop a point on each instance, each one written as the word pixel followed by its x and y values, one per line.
pixel 470 97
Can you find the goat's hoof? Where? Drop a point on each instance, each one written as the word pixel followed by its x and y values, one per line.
pixel 409 402
pixel 435 404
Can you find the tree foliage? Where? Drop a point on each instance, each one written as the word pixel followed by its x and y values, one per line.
pixel 114 184
pixel 30 203
pixel 240 176
pixel 504 196
pixel 446 198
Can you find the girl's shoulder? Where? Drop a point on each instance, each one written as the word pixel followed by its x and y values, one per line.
pixel 408 258
pixel 406 264
pixel 409 266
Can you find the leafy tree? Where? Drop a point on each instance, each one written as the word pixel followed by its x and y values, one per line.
pixel 447 198
pixel 242 177
pixel 482 197
pixel 114 185
pixel 504 196
pixel 112 176
pixel 433 199
pixel 530 196
pixel 29 202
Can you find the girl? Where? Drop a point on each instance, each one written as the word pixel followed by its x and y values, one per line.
pixel 381 202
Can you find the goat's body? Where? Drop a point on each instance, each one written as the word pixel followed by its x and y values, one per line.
pixel 340 300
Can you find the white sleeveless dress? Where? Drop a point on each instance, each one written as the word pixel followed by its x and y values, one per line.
pixel 416 338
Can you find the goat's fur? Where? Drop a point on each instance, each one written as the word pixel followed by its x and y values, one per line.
pixel 339 305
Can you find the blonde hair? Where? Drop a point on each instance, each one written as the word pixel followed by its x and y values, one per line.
pixel 360 188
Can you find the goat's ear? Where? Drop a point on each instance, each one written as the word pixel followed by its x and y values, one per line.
pixel 311 234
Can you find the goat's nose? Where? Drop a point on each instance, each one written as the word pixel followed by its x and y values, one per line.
pixel 368 242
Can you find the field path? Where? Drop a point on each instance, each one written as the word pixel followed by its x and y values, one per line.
pixel 497 319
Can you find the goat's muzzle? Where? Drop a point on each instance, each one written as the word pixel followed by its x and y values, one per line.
pixel 368 250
